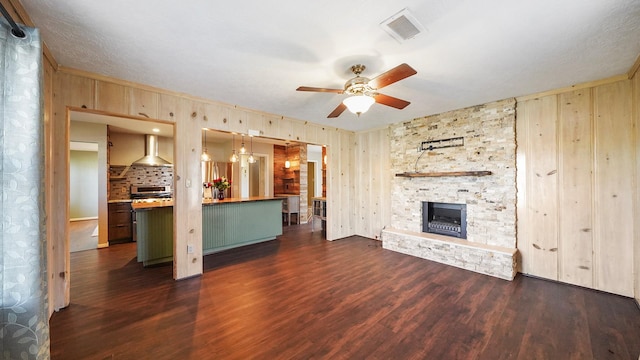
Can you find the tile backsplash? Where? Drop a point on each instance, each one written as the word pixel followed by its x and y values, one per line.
pixel 120 184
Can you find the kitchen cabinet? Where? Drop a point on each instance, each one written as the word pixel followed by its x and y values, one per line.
pixel 120 222
pixel 154 228
pixel 232 223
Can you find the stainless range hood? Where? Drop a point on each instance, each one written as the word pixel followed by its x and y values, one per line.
pixel 151 157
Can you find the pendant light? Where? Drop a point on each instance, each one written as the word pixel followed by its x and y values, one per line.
pixel 287 163
pixel 205 156
pixel 251 159
pixel 242 148
pixel 234 157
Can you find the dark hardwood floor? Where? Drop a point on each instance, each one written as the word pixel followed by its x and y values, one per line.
pixel 302 297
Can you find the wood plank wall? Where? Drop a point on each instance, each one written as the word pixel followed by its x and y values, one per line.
pixel 361 205
pixel 577 189
pixel 373 179
pixel 80 91
pixel 636 118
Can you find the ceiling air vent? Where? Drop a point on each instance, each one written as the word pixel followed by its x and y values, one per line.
pixel 402 26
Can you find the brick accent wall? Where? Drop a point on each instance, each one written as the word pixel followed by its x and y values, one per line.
pixel 295 179
pixel 489 144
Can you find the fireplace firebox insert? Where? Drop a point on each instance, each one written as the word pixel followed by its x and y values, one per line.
pixel 444 219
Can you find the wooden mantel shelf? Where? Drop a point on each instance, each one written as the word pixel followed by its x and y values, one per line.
pixel 445 173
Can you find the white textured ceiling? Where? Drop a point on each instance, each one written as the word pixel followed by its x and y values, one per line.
pixel 256 53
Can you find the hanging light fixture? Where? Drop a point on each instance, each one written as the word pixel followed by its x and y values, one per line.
pixel 242 148
pixel 358 103
pixel 234 157
pixel 251 159
pixel 287 163
pixel 205 156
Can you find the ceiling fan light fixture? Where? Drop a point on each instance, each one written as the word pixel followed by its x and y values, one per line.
pixel 358 104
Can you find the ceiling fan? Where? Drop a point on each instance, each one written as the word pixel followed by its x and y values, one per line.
pixel 363 92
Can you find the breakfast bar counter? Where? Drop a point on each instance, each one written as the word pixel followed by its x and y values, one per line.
pixel 226 224
pixel 235 222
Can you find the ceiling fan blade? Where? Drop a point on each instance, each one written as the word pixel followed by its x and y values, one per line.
pixel 398 73
pixel 337 111
pixel 308 88
pixel 391 101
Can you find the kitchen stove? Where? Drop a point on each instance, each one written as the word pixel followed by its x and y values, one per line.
pixel 151 200
pixel 142 192
pixel 156 195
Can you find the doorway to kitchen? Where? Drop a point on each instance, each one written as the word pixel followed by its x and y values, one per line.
pixel 119 143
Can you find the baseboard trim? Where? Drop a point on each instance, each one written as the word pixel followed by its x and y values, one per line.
pixel 84 218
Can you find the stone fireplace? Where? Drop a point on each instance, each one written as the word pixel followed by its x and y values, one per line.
pixel 448 175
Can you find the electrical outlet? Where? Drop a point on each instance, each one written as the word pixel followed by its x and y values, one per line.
pixel 189 249
pixel 123 190
pixel 188 183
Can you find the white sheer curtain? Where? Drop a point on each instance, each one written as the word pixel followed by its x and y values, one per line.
pixel 24 329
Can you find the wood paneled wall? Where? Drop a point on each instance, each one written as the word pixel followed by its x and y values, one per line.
pixel 80 91
pixel 636 118
pixel 373 178
pixel 577 189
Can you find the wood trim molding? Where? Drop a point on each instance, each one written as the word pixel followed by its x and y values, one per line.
pixel 634 68
pixel 126 116
pixel 131 84
pixel 588 84
pixel 445 174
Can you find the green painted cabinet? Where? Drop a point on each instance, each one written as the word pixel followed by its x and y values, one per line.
pixel 233 224
pixel 154 231
pixel 225 225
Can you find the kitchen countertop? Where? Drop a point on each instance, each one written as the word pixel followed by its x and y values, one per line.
pixel 119 201
pixel 237 200
pixel 151 204
pixel 164 203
